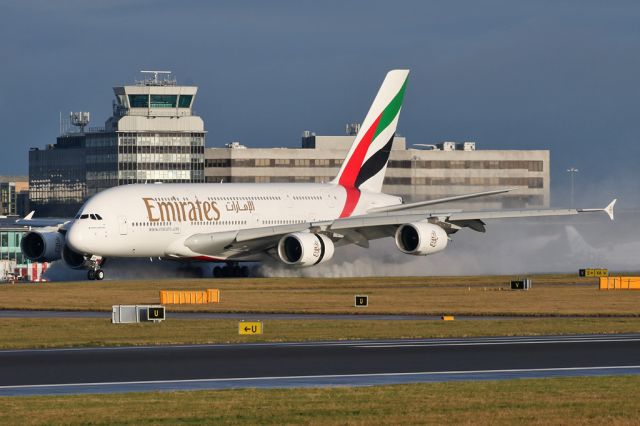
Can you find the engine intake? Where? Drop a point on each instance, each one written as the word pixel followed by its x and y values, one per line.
pixel 421 238
pixel 305 249
pixel 40 246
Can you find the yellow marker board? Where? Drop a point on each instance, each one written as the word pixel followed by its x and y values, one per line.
pixel 593 272
pixel 250 327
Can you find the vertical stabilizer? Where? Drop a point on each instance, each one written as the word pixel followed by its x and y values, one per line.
pixel 366 163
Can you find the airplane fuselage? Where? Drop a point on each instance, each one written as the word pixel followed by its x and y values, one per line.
pixel 154 220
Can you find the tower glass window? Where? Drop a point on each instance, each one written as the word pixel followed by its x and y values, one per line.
pixel 185 101
pixel 163 101
pixel 139 101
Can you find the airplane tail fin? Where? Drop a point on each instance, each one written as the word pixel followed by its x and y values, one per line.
pixel 366 163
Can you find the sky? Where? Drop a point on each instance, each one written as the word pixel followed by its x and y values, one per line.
pixel 557 75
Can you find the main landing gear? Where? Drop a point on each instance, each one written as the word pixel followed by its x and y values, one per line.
pixel 232 269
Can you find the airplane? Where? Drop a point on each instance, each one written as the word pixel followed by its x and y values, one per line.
pixel 299 224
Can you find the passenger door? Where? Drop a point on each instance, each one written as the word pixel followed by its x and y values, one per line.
pixel 122 224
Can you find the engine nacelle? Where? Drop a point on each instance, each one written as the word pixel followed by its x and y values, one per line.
pixel 421 238
pixel 305 249
pixel 42 246
pixel 74 259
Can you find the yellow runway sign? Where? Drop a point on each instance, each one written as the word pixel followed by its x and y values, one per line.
pixel 593 272
pixel 250 327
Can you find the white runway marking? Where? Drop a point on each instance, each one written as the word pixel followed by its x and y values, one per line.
pixel 330 376
pixel 489 343
pixel 470 341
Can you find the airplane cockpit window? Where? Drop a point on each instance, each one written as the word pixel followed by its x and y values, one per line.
pixel 84 216
pixel 93 217
pixel 98 216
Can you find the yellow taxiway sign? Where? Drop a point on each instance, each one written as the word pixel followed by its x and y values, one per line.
pixel 250 327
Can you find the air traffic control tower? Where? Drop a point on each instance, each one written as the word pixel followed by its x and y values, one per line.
pixel 152 136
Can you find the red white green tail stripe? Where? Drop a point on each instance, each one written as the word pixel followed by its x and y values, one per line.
pixel 366 162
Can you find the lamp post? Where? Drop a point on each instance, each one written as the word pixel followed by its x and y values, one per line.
pixel 572 171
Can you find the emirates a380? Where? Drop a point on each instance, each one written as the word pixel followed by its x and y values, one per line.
pixel 299 224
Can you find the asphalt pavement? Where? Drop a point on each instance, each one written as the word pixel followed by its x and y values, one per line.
pixel 340 363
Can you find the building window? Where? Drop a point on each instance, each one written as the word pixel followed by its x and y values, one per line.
pixel 138 101
pixel 301 163
pixel 215 162
pixel 185 101
pixel 164 101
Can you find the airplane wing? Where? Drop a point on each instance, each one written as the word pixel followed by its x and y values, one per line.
pixel 360 229
pixel 436 201
pixel 28 220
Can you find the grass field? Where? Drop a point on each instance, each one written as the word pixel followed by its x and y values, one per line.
pixel 58 332
pixel 568 401
pixel 550 295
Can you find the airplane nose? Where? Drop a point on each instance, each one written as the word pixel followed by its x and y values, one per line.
pixel 76 239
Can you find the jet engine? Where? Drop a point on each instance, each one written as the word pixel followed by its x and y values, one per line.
pixel 74 259
pixel 305 249
pixel 421 238
pixel 42 245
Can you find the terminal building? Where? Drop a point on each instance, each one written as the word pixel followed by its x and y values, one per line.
pixel 152 136
pixel 14 195
pixel 434 171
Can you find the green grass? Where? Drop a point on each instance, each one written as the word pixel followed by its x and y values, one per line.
pixel 84 332
pixel 559 295
pixel 570 401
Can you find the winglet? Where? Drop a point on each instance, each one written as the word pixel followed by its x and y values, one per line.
pixel 609 209
pixel 29 216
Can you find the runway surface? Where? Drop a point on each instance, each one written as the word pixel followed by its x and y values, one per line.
pixel 349 363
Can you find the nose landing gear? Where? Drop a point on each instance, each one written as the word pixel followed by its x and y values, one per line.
pixel 95 272
pixel 98 274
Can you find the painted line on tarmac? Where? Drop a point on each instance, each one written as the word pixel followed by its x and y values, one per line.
pixel 471 341
pixel 495 343
pixel 314 380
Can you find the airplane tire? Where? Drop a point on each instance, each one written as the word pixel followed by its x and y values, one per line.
pixel 91 275
pixel 99 275
pixel 244 271
pixel 217 272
